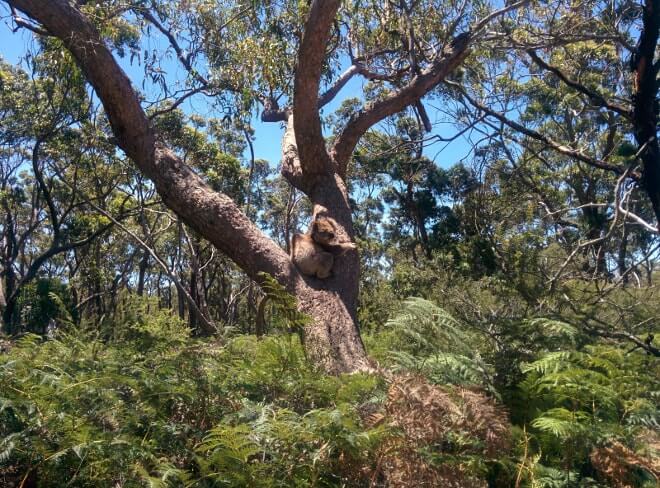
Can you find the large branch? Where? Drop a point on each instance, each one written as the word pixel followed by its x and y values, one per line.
pixel 214 215
pixel 307 123
pixel 419 86
pixel 332 92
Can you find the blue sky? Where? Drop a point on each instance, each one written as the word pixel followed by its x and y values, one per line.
pixel 268 135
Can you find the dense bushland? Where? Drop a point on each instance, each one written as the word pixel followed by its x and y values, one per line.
pixel 141 403
pixel 497 161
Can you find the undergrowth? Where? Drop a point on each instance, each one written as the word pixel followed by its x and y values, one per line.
pixel 144 404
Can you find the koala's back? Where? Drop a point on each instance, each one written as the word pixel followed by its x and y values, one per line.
pixel 310 258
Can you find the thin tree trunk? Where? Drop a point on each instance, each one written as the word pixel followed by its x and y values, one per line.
pixel 181 301
pixel 144 264
pixel 621 258
pixel 645 112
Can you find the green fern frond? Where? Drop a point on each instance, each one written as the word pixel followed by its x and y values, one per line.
pixel 63 314
pixel 432 342
pixel 552 327
pixel 7 445
pixel 285 303
pixel 551 362
pixel 560 422
pixel 429 328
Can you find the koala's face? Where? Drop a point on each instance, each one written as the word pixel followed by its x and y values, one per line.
pixel 323 232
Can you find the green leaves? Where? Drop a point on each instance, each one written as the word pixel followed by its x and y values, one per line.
pixel 427 339
pixel 561 423
pixel 153 406
pixel 582 400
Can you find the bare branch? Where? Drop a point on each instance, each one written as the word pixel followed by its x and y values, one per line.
pixel 646 345
pixel 163 265
pixel 574 153
pixel 591 242
pixel 176 103
pixel 486 20
pixel 180 54
pixel 636 218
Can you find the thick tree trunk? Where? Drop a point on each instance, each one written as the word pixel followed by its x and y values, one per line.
pixel 332 340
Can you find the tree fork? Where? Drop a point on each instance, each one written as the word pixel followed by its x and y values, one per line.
pixel 332 341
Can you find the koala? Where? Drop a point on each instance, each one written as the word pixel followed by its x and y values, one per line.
pixel 310 257
pixel 314 252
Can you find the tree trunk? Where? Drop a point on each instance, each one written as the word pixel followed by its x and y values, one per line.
pixel 332 340
pixel 3 302
pixel 181 300
pixel 192 290
pixel 645 98
pixel 144 265
pixel 9 316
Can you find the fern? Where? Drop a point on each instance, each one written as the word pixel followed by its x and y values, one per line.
pixel 284 303
pixel 561 423
pixel 554 328
pixel 549 363
pixel 587 399
pixel 7 445
pixel 429 328
pixel 428 340
pixel 63 315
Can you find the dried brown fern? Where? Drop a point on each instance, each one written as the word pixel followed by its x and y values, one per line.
pixel 484 419
pixel 424 412
pixel 424 415
pixel 616 462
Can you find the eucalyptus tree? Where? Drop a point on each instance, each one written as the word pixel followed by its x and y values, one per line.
pixel 280 53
